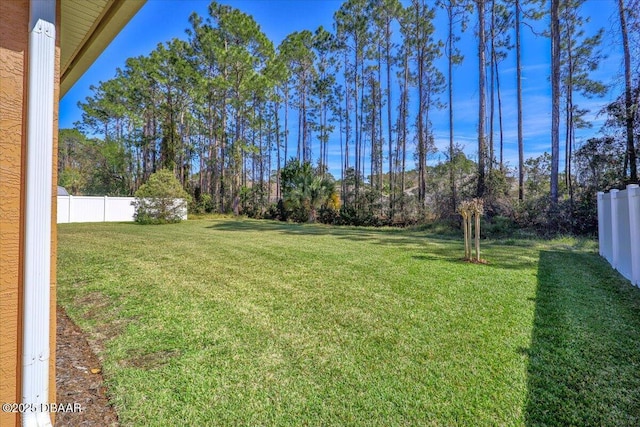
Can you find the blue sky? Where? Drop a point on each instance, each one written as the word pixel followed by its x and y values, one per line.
pixel 161 20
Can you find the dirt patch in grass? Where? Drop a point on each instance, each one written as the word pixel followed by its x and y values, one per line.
pixel 98 308
pixel 151 360
pixel 95 303
pixel 79 379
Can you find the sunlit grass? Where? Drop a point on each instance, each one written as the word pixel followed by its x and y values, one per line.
pixel 241 322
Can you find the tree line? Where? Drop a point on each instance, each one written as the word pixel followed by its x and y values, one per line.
pixel 226 111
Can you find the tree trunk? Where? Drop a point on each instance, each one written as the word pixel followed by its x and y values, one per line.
pixel 421 133
pixel 405 106
pixel 342 169
pixel 482 94
pixel 555 102
pixel 223 154
pixel 299 152
pixel 389 126
pixel 380 147
pixel 347 126
pixel 477 216
pixel 279 160
pixel 357 118
pixel 492 62
pixel 452 181
pixel 519 96
pixel 500 127
pixel 629 110
pixel 465 228
pixel 569 121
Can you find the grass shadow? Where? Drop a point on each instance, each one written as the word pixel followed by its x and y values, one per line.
pixel 495 253
pixel 584 359
pixel 243 224
pixel 502 254
pixel 383 236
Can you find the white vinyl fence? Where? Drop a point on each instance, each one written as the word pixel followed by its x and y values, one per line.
pixel 619 230
pixel 96 209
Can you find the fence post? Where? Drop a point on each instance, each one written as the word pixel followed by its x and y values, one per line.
pixel 633 193
pixel 104 209
pixel 70 206
pixel 600 223
pixel 615 250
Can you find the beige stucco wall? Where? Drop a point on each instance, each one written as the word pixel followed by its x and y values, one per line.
pixel 14 21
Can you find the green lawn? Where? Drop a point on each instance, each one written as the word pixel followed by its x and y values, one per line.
pixel 242 322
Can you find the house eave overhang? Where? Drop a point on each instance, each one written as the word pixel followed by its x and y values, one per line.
pixel 87 27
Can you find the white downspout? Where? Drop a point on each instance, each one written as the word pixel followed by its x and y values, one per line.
pixel 37 245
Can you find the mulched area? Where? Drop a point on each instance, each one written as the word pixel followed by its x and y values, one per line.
pixel 76 382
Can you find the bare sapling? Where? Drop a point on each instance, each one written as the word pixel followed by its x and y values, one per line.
pixel 471 210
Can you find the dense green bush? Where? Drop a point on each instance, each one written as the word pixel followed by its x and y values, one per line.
pixel 206 202
pixel 161 200
pixel 201 203
pixel 276 211
pixel 498 226
pixel 328 215
pixel 351 215
pixel 585 214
